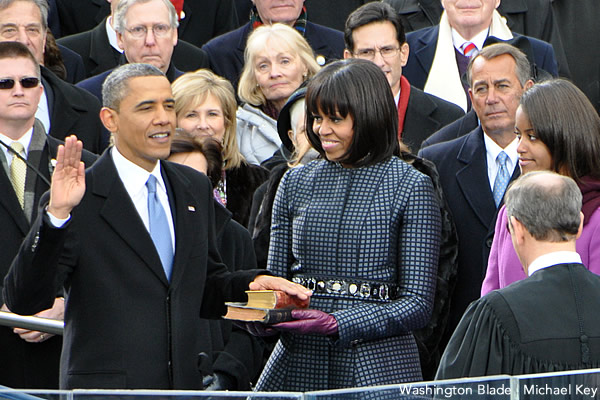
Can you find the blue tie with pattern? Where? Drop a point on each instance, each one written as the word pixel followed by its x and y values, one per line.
pixel 159 228
pixel 502 178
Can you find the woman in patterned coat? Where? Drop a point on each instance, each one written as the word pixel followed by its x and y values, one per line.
pixel 362 229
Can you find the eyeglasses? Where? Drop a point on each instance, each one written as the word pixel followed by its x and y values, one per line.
pixel 26 83
pixel 159 30
pixel 369 54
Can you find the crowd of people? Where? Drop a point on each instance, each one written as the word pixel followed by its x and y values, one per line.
pixel 418 170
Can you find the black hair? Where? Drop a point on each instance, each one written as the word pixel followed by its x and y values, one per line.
pixel 372 12
pixel 360 89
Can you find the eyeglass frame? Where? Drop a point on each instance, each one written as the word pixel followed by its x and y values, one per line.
pixel 393 52
pixel 29 82
pixel 144 32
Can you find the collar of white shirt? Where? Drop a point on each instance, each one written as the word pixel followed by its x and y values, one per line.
pixel 24 140
pixel 112 36
pixel 550 259
pixel 477 40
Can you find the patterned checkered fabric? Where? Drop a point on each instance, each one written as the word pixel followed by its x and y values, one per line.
pixel 379 223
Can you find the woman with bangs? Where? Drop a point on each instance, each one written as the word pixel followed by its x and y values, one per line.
pixel 277 60
pixel 558 130
pixel 361 228
pixel 205 106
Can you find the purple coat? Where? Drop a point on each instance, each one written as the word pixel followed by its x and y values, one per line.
pixel 505 268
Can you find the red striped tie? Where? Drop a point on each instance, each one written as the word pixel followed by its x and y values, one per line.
pixel 469 49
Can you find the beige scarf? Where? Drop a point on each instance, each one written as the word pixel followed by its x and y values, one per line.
pixel 444 80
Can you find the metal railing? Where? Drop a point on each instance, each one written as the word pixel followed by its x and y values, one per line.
pixel 53 326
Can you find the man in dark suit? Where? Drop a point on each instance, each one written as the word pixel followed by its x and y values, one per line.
pixel 147 33
pixel 199 21
pixel 226 52
pixel 100 51
pixel 29 359
pixel 374 31
pixel 63 109
pixel 474 169
pixel 547 322
pixel 534 18
pixel 440 54
pixel 134 240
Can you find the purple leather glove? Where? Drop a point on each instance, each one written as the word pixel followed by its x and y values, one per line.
pixel 257 328
pixel 309 321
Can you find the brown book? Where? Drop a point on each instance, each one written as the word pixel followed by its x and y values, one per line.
pixel 241 312
pixel 274 299
pixel 266 306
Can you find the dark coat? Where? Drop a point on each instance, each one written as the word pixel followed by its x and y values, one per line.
pixel 241 184
pixel 78 16
pixel 579 33
pixel 500 333
pixel 422 50
pixel 73 111
pixel 528 17
pixel 26 365
pixel 226 52
pixel 99 56
pixel 126 325
pixel 426 114
pixel 462 166
pixel 94 84
pixel 203 19
pixel 73 64
pixel 237 354
pixel 458 128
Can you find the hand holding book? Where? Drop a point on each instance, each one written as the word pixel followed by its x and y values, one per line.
pixel 308 321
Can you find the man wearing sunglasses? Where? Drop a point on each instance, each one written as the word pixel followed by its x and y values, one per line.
pixel 63 108
pixel 29 359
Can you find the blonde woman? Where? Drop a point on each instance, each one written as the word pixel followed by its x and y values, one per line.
pixel 277 60
pixel 205 105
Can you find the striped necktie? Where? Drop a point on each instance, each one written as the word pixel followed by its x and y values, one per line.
pixel 18 172
pixel 469 49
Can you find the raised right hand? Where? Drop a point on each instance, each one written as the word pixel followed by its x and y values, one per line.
pixel 68 179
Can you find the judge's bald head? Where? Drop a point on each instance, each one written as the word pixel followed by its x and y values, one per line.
pixel 547 204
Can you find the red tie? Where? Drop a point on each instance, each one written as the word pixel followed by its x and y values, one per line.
pixel 469 49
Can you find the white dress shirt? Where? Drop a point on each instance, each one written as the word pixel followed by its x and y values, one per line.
pixel 134 179
pixel 477 40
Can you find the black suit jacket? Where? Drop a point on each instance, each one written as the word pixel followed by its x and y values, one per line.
pixel 203 19
pixel 456 129
pixel 99 56
pixel 426 114
pixel 126 325
pixel 533 18
pixel 73 111
pixel 422 51
pixel 226 52
pixel 26 365
pixel 462 166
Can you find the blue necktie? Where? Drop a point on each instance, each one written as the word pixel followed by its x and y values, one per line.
pixel 159 228
pixel 502 178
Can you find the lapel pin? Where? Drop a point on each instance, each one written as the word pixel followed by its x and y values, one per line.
pixel 191 208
